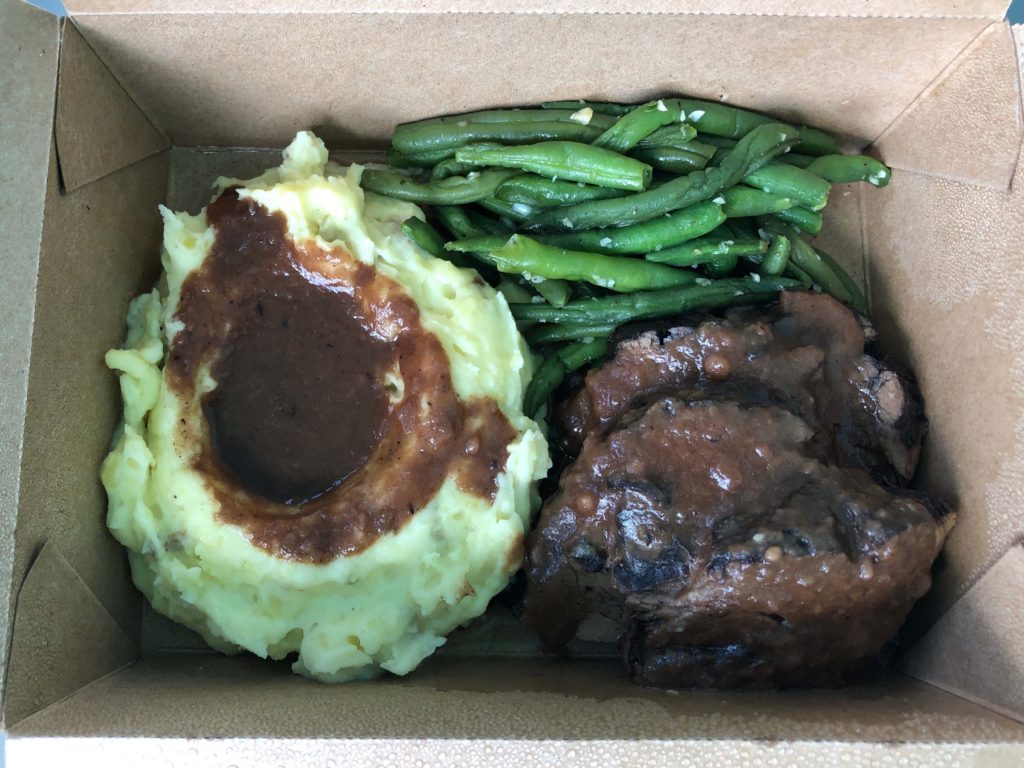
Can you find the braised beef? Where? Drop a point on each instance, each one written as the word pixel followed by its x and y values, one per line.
pixel 807 355
pixel 736 505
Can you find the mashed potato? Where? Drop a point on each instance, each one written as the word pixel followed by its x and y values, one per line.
pixel 388 606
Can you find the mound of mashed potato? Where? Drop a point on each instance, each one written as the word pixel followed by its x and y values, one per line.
pixel 349 610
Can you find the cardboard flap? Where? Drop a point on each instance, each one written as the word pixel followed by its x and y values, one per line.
pixel 92 108
pixel 946 294
pixel 63 638
pixel 29 41
pixel 862 76
pixel 991 9
pixel 589 703
pixel 968 124
pixel 975 649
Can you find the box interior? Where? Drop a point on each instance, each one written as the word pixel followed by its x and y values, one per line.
pixel 153 105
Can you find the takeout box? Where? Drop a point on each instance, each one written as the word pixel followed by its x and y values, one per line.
pixel 130 104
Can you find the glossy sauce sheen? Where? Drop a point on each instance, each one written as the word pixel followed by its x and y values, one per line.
pixel 304 441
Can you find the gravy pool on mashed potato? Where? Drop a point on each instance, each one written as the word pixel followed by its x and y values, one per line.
pixel 323 449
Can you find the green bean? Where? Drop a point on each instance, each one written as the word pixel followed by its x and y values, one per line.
pixel 751 264
pixel 717 141
pixel 553 370
pixel 803 219
pixel 551 333
pixel 487 224
pixel 588 291
pixel 743 228
pixel 711 294
pixel 518 126
pixel 423 160
pixel 555 292
pixel 707 249
pixel 804 256
pixel 514 115
pixel 741 201
pixel 670 159
pixel 541 192
pixel 525 256
pixel 513 292
pixel 452 167
pixel 796 159
pixel 710 117
pixel 718 119
pixel 795 272
pixel 480 244
pixel 681 136
pixel 722 266
pixel 599 107
pixel 814 141
pixel 430 240
pixel 455 190
pixel 638 124
pixel 857 300
pixel 662 232
pixel 458 222
pixel 428 137
pixel 566 160
pixel 750 153
pixel 843 169
pixel 424 235
pixel 397 160
pixel 777 256
pixel 544 382
pixel 514 212
pixel 802 187
pixel 575 356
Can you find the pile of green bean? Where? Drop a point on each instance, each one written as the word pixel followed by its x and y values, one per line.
pixel 589 215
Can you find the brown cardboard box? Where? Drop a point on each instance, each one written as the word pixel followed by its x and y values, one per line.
pixel 109 114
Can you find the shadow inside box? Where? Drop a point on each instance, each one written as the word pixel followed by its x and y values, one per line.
pixel 525 698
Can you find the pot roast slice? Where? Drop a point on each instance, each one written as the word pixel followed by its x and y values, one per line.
pixel 805 355
pixel 716 537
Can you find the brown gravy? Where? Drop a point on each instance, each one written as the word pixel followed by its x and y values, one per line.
pixel 302 442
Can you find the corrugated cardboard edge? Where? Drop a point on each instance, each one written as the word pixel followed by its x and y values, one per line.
pixel 55 608
pixel 989 617
pixel 28 73
pixel 990 9
pixel 91 108
pixel 470 753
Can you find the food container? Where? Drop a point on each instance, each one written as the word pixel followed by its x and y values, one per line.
pixel 126 105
